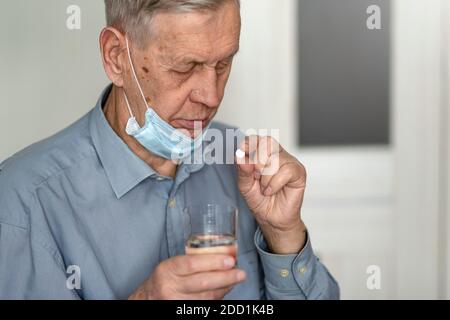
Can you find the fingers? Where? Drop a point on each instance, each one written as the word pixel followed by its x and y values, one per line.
pixel 291 173
pixel 206 277
pixel 191 264
pixel 250 144
pixel 265 161
pixel 268 148
pixel 258 151
pixel 211 281
pixel 246 171
pixel 245 166
pixel 288 175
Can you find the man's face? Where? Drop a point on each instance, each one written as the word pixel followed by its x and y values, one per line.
pixel 185 68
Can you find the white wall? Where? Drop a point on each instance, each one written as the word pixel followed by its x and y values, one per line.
pixel 261 91
pixel 50 76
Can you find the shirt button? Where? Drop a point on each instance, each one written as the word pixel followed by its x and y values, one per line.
pixel 159 179
pixel 284 273
pixel 172 203
pixel 302 270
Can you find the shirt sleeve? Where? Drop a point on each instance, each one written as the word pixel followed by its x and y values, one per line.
pixel 295 277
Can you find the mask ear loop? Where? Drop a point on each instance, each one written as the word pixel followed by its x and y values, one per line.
pixel 134 73
pixel 128 104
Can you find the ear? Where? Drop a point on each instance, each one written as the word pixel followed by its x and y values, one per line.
pixel 112 44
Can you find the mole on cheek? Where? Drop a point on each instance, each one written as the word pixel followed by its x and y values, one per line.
pixel 145 69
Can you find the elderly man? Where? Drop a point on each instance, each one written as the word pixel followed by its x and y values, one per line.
pixel 96 211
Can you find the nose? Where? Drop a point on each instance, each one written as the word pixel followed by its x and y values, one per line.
pixel 207 92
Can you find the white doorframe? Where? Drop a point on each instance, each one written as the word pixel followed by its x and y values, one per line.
pixel 417 103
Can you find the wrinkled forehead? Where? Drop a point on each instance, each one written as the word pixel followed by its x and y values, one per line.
pixel 212 34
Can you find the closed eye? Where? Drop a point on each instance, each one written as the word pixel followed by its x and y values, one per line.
pixel 185 71
pixel 223 66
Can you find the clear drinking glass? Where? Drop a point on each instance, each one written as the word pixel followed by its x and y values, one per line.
pixel 211 229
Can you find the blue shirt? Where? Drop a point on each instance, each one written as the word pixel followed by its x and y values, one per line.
pixel 81 203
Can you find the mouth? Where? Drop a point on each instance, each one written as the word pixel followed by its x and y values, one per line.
pixel 192 124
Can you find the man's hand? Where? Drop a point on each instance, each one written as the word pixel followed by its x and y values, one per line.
pixel 191 277
pixel 273 184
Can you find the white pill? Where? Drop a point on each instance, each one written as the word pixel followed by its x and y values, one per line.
pixel 240 154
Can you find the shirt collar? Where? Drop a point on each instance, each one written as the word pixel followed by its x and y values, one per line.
pixel 123 168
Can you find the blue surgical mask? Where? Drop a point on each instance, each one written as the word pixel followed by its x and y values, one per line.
pixel 157 136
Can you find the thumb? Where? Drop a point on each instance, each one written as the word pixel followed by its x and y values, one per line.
pixel 246 174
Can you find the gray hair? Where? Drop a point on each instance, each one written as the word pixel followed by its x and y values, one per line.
pixel 134 17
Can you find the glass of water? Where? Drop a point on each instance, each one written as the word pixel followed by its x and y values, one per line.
pixel 211 229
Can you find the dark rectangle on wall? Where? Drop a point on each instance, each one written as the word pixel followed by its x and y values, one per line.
pixel 344 75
